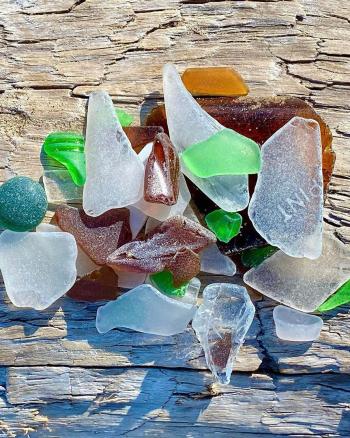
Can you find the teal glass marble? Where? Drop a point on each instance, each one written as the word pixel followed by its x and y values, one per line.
pixel 23 204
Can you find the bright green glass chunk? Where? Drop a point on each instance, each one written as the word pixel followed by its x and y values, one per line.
pixel 224 153
pixel 125 119
pixel 223 224
pixel 254 256
pixel 23 204
pixel 68 149
pixel 340 297
pixel 164 281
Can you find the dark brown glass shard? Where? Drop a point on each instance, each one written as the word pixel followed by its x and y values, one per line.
pixel 171 243
pixel 99 285
pixel 97 236
pixel 139 136
pixel 162 172
pixel 258 119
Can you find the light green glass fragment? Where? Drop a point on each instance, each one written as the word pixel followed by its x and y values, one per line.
pixel 68 149
pixel 125 119
pixel 224 153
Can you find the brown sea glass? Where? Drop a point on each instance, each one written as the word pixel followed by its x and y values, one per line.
pixel 97 236
pixel 258 119
pixel 162 172
pixel 172 245
pixel 220 350
pixel 139 136
pixel 185 265
pixel 101 284
pixel 214 81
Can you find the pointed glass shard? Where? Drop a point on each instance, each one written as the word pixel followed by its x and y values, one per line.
pixel 221 324
pixel 287 205
pixel 37 268
pixel 292 325
pixel 137 220
pixel 190 214
pixel 189 124
pixel 151 224
pixel 114 172
pixel 301 283
pixel 214 262
pixel 146 310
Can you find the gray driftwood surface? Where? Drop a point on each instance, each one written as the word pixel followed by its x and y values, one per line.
pixel 58 376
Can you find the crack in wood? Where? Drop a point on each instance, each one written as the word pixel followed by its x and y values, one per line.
pixel 57 12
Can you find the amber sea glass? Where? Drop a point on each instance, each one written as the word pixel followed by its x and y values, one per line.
pixel 214 81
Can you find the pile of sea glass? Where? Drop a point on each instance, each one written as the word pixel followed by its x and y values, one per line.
pixel 160 204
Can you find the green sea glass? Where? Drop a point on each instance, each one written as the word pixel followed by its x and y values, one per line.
pixel 164 281
pixel 224 153
pixel 68 149
pixel 23 204
pixel 223 224
pixel 125 119
pixel 340 297
pixel 254 256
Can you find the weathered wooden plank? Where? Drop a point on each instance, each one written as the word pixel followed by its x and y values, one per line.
pixel 66 334
pixel 146 402
pixel 331 352
pixel 126 37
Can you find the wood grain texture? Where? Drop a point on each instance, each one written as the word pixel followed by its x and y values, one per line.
pixel 58 376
